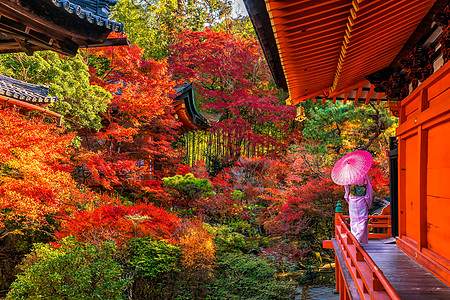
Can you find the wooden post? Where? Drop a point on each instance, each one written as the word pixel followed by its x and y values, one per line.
pixel 337 215
pixel 376 283
pixel 359 256
pixel 337 273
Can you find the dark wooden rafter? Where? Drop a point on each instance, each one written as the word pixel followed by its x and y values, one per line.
pixel 57 25
pixel 25 46
pixel 35 40
pixel 259 16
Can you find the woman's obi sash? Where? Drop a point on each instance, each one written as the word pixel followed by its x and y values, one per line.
pixel 358 189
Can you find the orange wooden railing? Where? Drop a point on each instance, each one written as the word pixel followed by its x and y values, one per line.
pixel 379 226
pixel 369 280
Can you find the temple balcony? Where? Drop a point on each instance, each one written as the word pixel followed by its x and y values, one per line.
pixel 378 270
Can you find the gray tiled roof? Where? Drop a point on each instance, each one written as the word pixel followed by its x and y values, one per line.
pixel 94 11
pixel 19 90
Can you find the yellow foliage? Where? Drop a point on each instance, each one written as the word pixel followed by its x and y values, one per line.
pixel 198 250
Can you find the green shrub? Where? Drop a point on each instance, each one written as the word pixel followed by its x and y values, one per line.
pixel 248 277
pixel 228 241
pixel 187 188
pixel 154 267
pixel 72 271
pixel 152 258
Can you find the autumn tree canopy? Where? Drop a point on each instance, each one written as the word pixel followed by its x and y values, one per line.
pixel 232 78
pixel 35 179
pixel 135 141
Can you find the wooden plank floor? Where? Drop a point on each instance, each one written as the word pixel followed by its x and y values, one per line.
pixel 409 279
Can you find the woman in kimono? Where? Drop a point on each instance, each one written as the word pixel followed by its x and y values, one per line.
pixel 359 198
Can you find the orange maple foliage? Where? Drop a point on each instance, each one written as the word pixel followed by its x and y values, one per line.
pixel 35 181
pixel 141 88
pixel 198 250
pixel 136 138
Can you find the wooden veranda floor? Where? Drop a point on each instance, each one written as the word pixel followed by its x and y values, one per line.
pixel 409 279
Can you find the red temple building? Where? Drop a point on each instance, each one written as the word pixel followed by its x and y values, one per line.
pixel 395 51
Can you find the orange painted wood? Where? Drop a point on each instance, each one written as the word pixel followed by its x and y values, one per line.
pixel 182 115
pixel 438 87
pixel 370 94
pixel 8 101
pixel 411 199
pixel 411 109
pixel 423 199
pixel 310 34
pixel 358 94
pixel 445 94
pixel 327 244
pixel 346 97
pixel 423 100
pixel 422 205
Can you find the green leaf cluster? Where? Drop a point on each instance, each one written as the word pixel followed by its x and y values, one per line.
pixel 187 187
pixel 339 128
pixel 151 259
pixel 154 24
pixel 80 102
pixel 72 271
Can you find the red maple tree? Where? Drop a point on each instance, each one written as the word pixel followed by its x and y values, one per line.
pixel 119 223
pixel 233 79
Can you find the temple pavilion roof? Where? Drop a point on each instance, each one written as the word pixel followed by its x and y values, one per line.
pixel 19 90
pixel 187 112
pixel 334 49
pixel 25 97
pixel 59 25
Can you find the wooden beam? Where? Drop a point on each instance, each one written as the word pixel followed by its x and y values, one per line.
pixel 24 46
pixel 423 99
pixel 358 94
pixel 380 95
pixel 30 106
pixel 423 153
pixel 111 42
pixel 20 14
pixel 350 88
pixel 370 94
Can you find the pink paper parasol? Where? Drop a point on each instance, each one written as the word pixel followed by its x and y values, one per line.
pixel 351 167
